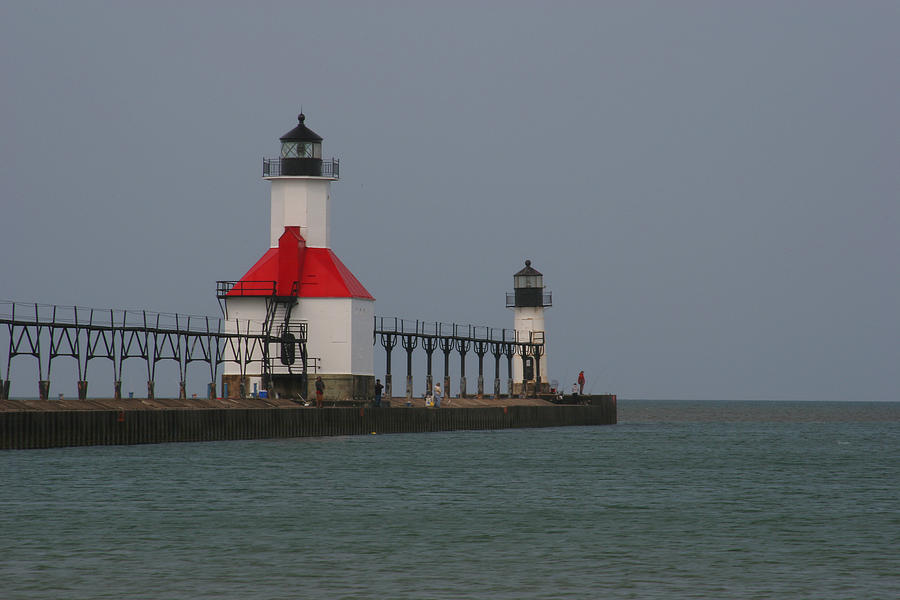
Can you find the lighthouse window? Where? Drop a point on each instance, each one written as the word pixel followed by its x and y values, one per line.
pixel 301 150
pixel 529 281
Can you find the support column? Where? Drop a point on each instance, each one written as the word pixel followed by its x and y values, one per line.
pixel 117 390
pixel 509 350
pixel 211 390
pixel 151 386
pixel 524 369
pixel 429 344
pixel 82 390
pixel 462 346
pixel 480 348
pixel 182 390
pixel 4 389
pixel 446 347
pixel 388 341
pixel 497 351
pixel 409 344
pixel 44 389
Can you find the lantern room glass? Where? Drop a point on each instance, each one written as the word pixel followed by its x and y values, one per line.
pixel 301 150
pixel 529 281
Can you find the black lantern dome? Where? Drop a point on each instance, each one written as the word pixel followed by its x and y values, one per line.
pixel 301 150
pixel 528 286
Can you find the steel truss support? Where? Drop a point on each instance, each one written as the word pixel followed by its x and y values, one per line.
pixel 389 341
pixel 446 345
pixel 47 332
pixel 497 351
pixel 480 347
pixel 450 337
pixel 524 353
pixel 429 343
pixel 509 349
pixel 462 345
pixel 410 342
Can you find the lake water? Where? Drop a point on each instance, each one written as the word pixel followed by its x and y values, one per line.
pixel 680 500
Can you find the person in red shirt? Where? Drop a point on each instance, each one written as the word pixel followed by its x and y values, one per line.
pixel 320 392
pixel 581 383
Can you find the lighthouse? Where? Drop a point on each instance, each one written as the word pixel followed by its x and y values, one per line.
pixel 528 301
pixel 300 290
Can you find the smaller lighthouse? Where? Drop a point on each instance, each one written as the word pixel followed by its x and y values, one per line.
pixel 528 301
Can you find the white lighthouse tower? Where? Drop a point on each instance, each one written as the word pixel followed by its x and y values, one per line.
pixel 301 288
pixel 528 301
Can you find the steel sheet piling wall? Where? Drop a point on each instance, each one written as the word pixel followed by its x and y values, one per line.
pixel 50 429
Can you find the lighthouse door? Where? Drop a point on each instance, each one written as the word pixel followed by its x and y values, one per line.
pixel 529 368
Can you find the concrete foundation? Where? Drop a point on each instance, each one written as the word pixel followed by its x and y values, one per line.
pixel 232 386
pixel 527 389
pixel 338 388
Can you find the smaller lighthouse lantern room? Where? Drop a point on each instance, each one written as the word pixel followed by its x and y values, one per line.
pixel 301 151
pixel 528 301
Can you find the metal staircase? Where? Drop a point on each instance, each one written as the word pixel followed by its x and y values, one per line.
pixel 287 334
pixel 285 338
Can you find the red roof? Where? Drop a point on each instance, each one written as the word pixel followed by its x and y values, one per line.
pixel 321 273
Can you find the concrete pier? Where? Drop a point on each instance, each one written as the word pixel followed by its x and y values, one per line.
pixel 28 424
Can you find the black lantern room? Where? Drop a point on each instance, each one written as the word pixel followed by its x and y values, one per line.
pixel 529 289
pixel 301 151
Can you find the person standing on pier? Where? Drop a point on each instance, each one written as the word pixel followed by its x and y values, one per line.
pixel 581 383
pixel 320 392
pixel 378 389
pixel 437 395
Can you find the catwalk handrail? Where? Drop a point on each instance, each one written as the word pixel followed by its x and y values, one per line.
pixel 109 319
pixel 472 333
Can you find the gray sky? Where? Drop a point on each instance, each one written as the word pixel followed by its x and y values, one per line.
pixel 710 188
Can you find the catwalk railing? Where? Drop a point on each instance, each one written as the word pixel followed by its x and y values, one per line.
pixel 47 333
pixel 450 337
